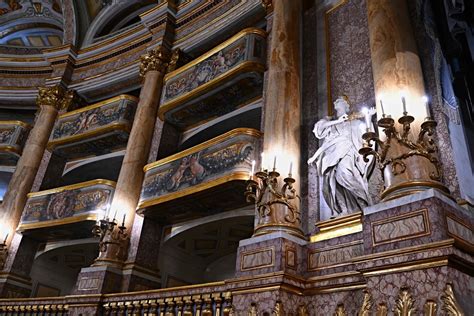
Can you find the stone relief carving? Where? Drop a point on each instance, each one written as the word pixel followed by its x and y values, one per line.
pixel 344 172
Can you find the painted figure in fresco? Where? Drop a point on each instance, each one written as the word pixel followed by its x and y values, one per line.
pixel 176 178
pixel 342 168
pixel 197 170
pixel 61 205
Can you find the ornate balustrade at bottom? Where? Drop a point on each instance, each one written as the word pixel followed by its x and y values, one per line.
pixel 13 135
pixel 202 179
pixel 93 130
pixel 67 211
pixel 217 82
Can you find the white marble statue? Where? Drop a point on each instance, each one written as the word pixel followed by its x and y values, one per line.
pixel 342 168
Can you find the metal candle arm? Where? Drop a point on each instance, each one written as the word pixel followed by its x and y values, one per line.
pixel 267 182
pixel 424 145
pixel 110 236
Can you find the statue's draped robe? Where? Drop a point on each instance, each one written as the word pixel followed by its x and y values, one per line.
pixel 342 168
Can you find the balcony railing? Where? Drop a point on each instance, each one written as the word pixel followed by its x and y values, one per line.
pixel 207 176
pixel 13 136
pixel 217 82
pixel 95 129
pixel 212 299
pixel 53 209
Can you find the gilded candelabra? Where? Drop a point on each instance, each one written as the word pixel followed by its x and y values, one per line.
pixel 408 165
pixel 113 242
pixel 277 205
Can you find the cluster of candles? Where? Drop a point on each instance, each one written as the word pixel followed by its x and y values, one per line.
pixel 262 168
pixel 424 99
pixel 106 218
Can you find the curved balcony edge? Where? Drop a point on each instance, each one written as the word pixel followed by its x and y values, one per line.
pixel 13 135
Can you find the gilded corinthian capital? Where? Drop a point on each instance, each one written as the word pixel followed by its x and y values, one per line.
pixel 58 97
pixel 155 59
pixel 50 96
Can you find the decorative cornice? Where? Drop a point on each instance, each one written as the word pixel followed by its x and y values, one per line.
pixel 155 59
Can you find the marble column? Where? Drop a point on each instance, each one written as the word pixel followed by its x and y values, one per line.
pixel 50 100
pixel 397 73
pixel 107 268
pixel 282 117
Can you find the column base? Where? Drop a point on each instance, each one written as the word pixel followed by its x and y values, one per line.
pixel 411 187
pixel 98 280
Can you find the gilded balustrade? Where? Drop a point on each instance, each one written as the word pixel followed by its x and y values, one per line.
pixel 53 209
pixel 209 175
pixel 13 135
pixel 95 129
pixel 217 82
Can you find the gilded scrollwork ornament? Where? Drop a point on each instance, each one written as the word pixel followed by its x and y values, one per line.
pixel 451 306
pixel 366 304
pixel 154 60
pixel 175 56
pixel 252 310
pixel 430 308
pixel 340 310
pixel 405 304
pixel 381 310
pixel 302 311
pixel 278 310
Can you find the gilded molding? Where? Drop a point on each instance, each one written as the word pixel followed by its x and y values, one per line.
pixel 366 304
pixel 451 306
pixel 430 308
pixel 174 60
pixel 340 310
pixel 405 304
pixel 153 60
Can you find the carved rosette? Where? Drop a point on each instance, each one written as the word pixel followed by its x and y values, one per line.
pixel 154 60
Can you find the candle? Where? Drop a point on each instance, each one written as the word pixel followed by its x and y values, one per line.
pixel 5 240
pixel 381 106
pixel 291 166
pixel 274 163
pixel 115 214
pixel 123 220
pixel 367 118
pixel 253 167
pixel 404 103
pixel 262 159
pixel 427 106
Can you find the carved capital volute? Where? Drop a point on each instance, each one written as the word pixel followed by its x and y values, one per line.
pixel 155 59
pixel 50 96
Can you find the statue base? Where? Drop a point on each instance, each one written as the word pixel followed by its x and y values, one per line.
pixel 337 227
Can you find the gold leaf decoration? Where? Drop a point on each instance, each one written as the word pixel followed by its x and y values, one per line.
pixel 451 306
pixel 366 304
pixel 302 311
pixel 253 310
pixel 430 308
pixel 405 304
pixel 382 310
pixel 278 309
pixel 340 310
